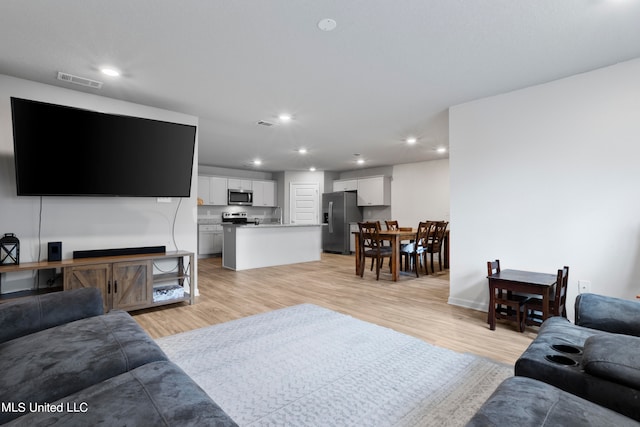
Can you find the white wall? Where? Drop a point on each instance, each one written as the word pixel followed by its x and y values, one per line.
pixel 85 223
pixel 548 176
pixel 420 191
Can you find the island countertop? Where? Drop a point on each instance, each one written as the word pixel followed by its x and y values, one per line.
pixel 270 225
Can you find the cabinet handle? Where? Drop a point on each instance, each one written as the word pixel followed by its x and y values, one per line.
pixel 109 287
pixel 115 287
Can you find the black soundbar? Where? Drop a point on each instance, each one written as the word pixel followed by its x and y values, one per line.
pixel 121 251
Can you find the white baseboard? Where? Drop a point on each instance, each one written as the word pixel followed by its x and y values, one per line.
pixel 475 305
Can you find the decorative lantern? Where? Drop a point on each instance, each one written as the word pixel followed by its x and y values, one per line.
pixel 9 249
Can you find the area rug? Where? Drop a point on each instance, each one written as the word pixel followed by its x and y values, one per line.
pixel 309 366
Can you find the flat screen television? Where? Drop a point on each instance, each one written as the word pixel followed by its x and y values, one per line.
pixel 68 151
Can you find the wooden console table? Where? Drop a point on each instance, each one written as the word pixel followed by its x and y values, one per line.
pixel 127 282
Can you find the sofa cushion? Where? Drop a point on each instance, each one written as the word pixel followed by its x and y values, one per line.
pixel 156 394
pixel 613 357
pixel 28 315
pixel 53 363
pixel 520 401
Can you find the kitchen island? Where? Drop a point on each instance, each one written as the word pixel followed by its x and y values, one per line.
pixel 254 246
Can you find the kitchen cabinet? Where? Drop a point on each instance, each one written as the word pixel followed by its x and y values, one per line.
pixel 353 228
pixel 345 185
pixel 374 191
pixel 218 191
pixel 212 190
pixel 204 189
pixel 133 282
pixel 239 184
pixel 209 240
pixel 264 193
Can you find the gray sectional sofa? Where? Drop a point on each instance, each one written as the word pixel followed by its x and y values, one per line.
pixel 64 362
pixel 587 373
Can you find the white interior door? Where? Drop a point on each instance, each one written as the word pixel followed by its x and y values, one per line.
pixel 304 203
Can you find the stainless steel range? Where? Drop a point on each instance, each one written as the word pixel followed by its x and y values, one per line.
pixel 234 217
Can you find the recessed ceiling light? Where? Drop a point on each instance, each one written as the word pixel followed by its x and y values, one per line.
pixel 312 169
pixel 285 117
pixel 111 72
pixel 302 150
pixel 412 140
pixel 441 149
pixel 360 161
pixel 257 162
pixel 327 24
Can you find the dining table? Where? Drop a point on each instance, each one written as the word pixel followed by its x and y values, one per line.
pixel 520 281
pixel 396 237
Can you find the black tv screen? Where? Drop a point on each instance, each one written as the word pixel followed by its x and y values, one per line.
pixel 67 151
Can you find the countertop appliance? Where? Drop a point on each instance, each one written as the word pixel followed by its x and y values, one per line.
pixel 234 217
pixel 240 197
pixel 338 210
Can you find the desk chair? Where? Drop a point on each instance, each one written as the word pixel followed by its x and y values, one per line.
pixel 557 305
pixel 509 306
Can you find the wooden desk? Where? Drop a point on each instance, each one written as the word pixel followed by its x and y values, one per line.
pixel 526 282
pixel 395 237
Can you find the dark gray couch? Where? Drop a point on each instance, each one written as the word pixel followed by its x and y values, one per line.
pixel 522 401
pixel 597 358
pixel 64 362
pixel 587 373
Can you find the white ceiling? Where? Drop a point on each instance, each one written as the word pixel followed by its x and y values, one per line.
pixel 389 70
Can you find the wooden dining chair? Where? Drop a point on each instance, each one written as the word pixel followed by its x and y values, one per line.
pixel 414 251
pixel 557 303
pixel 392 225
pixel 508 306
pixel 371 246
pixel 383 244
pixel 436 239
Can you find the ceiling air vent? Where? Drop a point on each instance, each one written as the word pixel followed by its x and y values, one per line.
pixel 263 123
pixel 70 78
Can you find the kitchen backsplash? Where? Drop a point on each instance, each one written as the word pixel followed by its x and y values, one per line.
pixel 213 214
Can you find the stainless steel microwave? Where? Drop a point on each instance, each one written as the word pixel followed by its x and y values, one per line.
pixel 240 197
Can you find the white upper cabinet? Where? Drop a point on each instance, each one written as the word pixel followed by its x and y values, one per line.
pixel 239 184
pixel 345 185
pixel 374 191
pixel 218 191
pixel 212 190
pixel 264 193
pixel 204 186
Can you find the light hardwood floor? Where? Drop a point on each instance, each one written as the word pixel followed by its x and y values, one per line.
pixel 414 306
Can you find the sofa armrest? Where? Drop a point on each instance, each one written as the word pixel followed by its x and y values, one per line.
pixel 608 314
pixel 25 316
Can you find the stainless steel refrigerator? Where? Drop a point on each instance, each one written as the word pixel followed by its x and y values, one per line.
pixel 339 209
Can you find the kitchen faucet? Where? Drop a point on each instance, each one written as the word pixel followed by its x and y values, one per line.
pixel 280 218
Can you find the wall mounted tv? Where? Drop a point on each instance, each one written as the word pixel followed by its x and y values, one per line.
pixel 67 151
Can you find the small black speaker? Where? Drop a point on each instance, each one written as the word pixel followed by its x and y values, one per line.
pixel 54 251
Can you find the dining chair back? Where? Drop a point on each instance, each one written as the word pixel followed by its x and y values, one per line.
pixel 416 250
pixel 508 306
pixel 557 303
pixel 371 246
pixel 436 239
pixel 392 225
